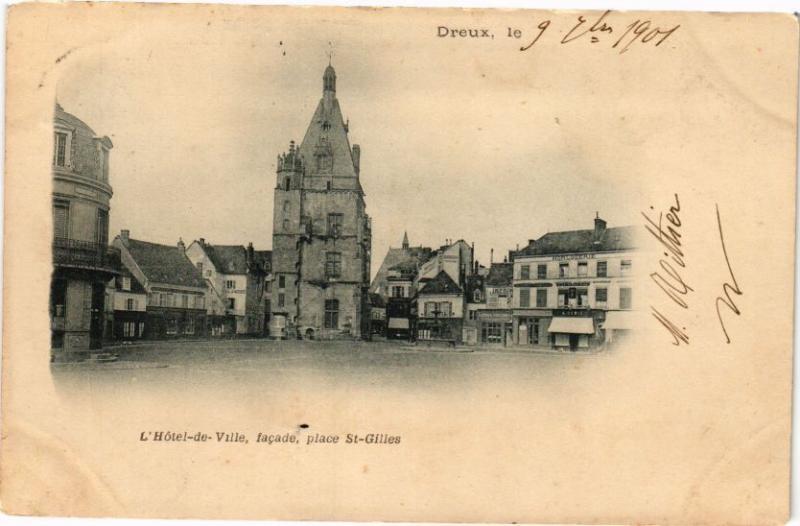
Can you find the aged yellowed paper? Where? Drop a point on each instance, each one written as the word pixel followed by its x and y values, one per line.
pixel 398 264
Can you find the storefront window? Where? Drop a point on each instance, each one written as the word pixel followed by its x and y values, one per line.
pixel 492 332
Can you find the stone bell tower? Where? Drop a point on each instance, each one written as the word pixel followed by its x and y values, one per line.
pixel 322 236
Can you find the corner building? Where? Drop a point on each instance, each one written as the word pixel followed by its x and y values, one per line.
pixel 321 234
pixel 82 260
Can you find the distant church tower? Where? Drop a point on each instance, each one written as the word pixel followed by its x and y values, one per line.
pixel 321 234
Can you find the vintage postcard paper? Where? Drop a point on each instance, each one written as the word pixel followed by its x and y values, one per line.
pixel 398 264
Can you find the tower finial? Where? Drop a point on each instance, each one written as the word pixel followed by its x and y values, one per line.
pixel 405 240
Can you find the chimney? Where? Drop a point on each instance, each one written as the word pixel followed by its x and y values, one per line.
pixel 202 240
pixel 181 245
pixel 491 256
pixel 599 227
pixel 125 235
pixel 250 252
pixel 357 158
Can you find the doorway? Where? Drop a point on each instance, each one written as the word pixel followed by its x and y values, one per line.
pixel 96 323
pixel 573 342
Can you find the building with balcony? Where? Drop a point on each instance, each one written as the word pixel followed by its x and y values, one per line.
pixel 82 260
pixel 176 291
pixel 575 289
pixel 322 235
pixel 236 278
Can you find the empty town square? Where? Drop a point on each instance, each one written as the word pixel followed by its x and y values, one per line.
pixel 248 364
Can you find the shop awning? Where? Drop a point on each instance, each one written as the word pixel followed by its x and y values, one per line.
pixel 619 320
pixel 398 323
pixel 572 325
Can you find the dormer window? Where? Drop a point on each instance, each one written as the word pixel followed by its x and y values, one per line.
pixel 61 148
pixel 326 126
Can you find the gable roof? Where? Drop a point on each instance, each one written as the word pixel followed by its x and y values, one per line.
pixel 136 286
pixel 227 259
pixel 413 256
pixel 577 241
pixel 500 275
pixel 441 284
pixel 164 264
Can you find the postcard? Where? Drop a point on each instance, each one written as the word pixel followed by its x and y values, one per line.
pixel 395 264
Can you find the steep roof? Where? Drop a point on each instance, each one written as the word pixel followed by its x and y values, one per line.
pixel 228 259
pixel 413 256
pixel 164 263
pixel 576 241
pixel 136 287
pixel 500 275
pixel 327 134
pixel 441 284
pixel 263 259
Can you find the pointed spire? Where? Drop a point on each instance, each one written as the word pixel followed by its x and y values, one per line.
pixel 329 80
pixel 405 240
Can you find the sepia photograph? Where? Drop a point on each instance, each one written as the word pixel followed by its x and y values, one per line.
pixel 398 264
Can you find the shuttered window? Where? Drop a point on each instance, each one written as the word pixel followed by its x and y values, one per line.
pixel 61 220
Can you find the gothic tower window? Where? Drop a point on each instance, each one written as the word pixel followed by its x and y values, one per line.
pixel 333 264
pixel 331 314
pixel 335 224
pixel 323 155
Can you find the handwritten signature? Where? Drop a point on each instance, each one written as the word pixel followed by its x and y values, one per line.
pixel 666 228
pixel 727 287
pixel 669 278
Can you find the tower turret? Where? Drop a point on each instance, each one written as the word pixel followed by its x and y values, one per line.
pixel 329 80
pixel 290 168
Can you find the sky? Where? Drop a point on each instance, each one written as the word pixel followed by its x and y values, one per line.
pixel 459 140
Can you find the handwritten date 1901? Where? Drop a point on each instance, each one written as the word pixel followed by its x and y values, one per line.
pixel 641 31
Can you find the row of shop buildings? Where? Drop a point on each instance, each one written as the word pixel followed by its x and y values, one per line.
pixel 565 290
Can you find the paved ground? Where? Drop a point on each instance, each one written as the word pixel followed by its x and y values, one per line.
pixel 241 362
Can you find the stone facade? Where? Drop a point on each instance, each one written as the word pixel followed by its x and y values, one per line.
pixel 82 260
pixel 322 236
